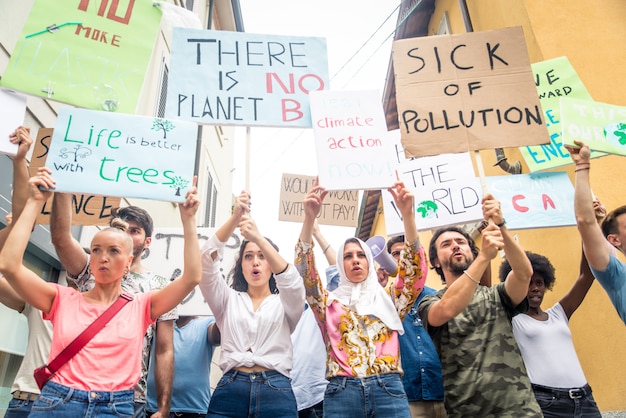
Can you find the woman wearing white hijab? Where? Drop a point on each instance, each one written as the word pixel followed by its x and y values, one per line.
pixel 360 321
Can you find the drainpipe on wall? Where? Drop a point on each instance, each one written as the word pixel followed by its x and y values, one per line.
pixel 501 160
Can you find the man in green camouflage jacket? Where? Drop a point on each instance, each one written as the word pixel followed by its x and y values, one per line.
pixel 484 374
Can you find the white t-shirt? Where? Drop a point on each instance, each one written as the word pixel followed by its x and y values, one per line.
pixel 548 350
pixel 37 350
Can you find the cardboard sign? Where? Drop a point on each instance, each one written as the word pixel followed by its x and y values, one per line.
pixel 457 93
pixel 601 126
pixel 88 209
pixel 165 257
pixel 114 154
pixel 238 78
pixel 554 79
pixel 13 107
pixel 536 200
pixel 446 191
pixel 340 208
pixel 92 54
pixel 354 149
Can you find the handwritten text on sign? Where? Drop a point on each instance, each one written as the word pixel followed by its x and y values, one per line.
pixel 340 207
pixel 237 78
pixel 114 154
pixel 354 149
pixel 601 126
pixel 537 200
pixel 464 92
pixel 89 53
pixel 87 209
pixel 554 79
pixel 165 258
pixel 446 192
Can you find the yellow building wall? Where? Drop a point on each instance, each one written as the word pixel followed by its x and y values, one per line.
pixel 592 34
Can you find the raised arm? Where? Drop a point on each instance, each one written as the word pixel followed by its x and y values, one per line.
pixel 594 242
pixel 26 283
pixel 249 231
pixel 166 299
pixel 240 208
pixel 327 249
pixel 20 136
pixel 412 269
pixel 460 292
pixel 516 284
pixel 572 299
pixel 312 204
pixel 404 200
pixel 69 250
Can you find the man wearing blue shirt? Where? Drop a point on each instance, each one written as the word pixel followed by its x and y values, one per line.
pixel 194 340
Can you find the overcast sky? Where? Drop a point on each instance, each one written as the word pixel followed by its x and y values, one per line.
pixel 358 36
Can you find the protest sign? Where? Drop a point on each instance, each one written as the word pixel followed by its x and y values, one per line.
pixel 238 78
pixel 165 257
pixel 554 79
pixel 87 209
pixel 114 154
pixel 536 200
pixel 473 91
pixel 354 149
pixel 13 107
pixel 340 208
pixel 601 126
pixel 91 54
pixel 446 191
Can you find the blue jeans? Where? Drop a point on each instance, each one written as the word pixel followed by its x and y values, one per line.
pixel 61 401
pixel 139 410
pixel 315 411
pixel 18 408
pixel 373 396
pixel 258 395
pixel 555 403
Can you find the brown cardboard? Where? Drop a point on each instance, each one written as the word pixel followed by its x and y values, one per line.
pixel 340 208
pixel 86 209
pixel 437 77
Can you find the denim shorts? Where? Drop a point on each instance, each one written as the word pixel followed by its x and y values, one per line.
pixel 61 401
pixel 257 394
pixel 379 395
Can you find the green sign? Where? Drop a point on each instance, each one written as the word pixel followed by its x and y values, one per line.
pixel 554 79
pixel 601 126
pixel 87 53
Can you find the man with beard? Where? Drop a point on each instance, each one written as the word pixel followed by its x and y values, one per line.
pixel 470 324
pixel 137 222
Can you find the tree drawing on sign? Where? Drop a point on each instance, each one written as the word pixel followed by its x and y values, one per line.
pixel 78 152
pixel 162 125
pixel 427 209
pixel 178 184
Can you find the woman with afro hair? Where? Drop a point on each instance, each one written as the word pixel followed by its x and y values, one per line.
pixel 545 341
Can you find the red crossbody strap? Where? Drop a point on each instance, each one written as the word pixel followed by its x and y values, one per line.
pixel 89 332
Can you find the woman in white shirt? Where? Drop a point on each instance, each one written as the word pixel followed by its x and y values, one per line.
pixel 256 316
